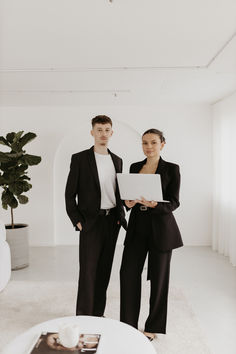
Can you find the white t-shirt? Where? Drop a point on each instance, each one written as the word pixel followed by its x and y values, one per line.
pixel 107 180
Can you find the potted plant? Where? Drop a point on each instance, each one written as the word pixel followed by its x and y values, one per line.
pixel 15 182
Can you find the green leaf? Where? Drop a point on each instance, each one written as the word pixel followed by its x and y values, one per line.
pixel 23 199
pixel 18 135
pixel 7 196
pixel 16 187
pixel 4 157
pixel 13 203
pixel 14 165
pixel 5 206
pixel 22 168
pixel 10 137
pixel 30 159
pixel 27 138
pixel 16 147
pixel 15 154
pixel 26 186
pixel 19 187
pixel 24 177
pixel 10 157
pixel 2 180
pixel 7 166
pixel 9 177
pixel 3 141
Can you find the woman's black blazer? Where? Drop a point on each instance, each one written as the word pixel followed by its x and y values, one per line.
pixel 165 229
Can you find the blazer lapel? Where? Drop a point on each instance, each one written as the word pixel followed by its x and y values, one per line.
pixel 161 166
pixel 115 162
pixel 140 165
pixel 93 165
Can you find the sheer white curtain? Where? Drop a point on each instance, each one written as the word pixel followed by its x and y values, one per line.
pixel 224 196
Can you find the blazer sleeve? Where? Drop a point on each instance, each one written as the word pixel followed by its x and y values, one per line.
pixel 71 192
pixel 131 170
pixel 171 194
pixel 122 212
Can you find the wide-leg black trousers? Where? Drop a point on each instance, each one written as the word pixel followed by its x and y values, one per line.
pixel 96 253
pixel 133 260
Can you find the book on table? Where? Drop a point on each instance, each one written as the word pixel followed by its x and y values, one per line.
pixel 48 343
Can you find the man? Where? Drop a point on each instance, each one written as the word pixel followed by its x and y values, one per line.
pixel 94 206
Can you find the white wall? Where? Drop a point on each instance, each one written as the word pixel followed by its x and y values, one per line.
pixel 188 131
pixel 225 107
pixel 224 202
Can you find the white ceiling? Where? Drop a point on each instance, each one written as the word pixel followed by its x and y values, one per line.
pixel 72 52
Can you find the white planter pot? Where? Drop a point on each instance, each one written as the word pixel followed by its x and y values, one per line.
pixel 18 240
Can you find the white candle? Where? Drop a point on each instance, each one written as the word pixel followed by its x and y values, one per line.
pixel 69 335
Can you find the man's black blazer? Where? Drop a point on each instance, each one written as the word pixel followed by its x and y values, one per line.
pixel 83 193
pixel 165 229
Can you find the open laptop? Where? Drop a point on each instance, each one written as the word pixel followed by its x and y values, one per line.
pixel 137 185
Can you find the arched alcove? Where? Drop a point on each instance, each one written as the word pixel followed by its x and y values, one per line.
pixel 125 142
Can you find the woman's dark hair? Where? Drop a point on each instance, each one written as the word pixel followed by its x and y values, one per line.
pixel 101 120
pixel 157 132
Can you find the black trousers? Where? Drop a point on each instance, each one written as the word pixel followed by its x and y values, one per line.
pixel 133 260
pixel 96 253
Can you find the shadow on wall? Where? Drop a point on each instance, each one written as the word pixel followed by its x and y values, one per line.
pixel 125 142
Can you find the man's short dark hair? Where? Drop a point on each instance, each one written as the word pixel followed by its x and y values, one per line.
pixel 101 119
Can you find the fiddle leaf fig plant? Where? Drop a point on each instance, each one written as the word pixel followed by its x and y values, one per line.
pixel 13 170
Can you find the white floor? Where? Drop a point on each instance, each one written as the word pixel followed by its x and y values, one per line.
pixel 206 278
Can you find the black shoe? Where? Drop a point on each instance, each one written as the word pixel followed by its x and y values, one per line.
pixel 149 337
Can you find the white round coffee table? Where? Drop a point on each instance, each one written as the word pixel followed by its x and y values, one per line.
pixel 116 337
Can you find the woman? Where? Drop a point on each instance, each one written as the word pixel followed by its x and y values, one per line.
pixel 152 230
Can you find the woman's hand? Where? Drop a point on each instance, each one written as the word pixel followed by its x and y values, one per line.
pixel 79 226
pixel 147 203
pixel 131 203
